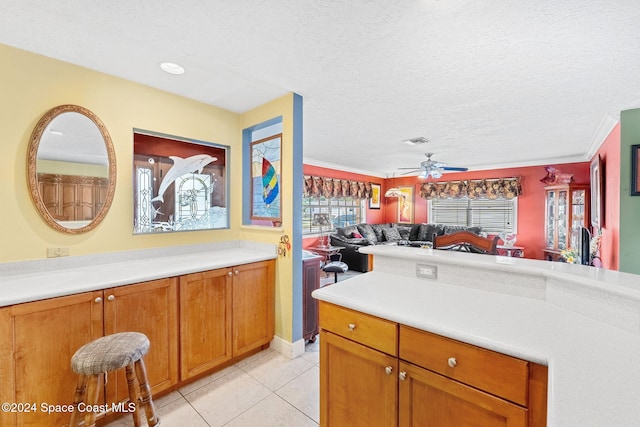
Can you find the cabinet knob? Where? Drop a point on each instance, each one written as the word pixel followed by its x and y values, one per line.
pixel 236 272
pixel 402 375
pixel 99 299
pixel 388 370
pixel 111 297
pixel 230 274
pixel 452 362
pixel 352 326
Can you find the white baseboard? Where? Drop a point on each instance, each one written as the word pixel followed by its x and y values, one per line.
pixel 286 348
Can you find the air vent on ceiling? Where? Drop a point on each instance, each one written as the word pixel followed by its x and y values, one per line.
pixel 416 141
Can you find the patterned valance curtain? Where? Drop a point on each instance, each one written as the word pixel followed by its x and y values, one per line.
pixel 504 188
pixel 319 186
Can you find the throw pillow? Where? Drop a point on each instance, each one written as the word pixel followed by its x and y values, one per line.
pixel 377 228
pixel 367 232
pixel 356 235
pixel 415 231
pixel 405 232
pixel 428 230
pixel 349 230
pixel 391 234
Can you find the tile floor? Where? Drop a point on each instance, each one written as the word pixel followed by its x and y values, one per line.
pixel 266 389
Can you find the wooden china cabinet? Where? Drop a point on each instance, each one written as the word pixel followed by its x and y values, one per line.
pixel 566 209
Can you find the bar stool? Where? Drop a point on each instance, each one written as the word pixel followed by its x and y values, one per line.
pixel 335 266
pixel 106 354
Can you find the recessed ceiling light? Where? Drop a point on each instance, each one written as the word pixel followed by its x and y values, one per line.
pixel 172 68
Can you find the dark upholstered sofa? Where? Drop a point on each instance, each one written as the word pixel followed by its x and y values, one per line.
pixel 353 237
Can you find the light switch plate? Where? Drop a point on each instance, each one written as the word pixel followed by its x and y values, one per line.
pixel 427 271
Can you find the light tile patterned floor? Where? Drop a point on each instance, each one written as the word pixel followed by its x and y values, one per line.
pixel 266 390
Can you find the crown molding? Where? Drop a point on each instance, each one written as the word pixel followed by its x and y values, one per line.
pixel 342 168
pixel 608 122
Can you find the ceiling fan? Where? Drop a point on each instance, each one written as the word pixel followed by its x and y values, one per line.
pixel 432 168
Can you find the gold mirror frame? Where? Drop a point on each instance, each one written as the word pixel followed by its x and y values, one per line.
pixel 32 172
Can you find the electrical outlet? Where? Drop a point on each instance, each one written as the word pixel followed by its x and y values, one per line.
pixel 427 271
pixel 57 252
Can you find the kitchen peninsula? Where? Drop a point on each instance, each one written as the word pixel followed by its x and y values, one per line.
pixel 580 322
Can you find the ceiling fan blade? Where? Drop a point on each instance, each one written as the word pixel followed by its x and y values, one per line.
pixel 447 168
pixel 411 171
pixel 413 168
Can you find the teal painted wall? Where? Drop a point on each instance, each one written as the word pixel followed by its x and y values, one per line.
pixel 629 205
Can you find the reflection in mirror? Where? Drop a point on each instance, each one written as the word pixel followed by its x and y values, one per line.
pixel 179 184
pixel 71 169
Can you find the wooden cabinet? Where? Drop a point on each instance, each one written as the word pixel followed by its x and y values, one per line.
pixel 429 399
pixel 150 308
pixel 566 209
pixel 361 382
pixel 253 306
pixel 39 338
pixel 205 321
pixel 37 341
pixel 224 314
pixel 310 282
pixel 438 381
pixel 73 198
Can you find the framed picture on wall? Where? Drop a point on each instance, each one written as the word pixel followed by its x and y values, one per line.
pixel 635 173
pixel 374 201
pixel 405 205
pixel 265 179
pixel 597 201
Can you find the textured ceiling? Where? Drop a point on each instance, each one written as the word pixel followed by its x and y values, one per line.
pixel 490 84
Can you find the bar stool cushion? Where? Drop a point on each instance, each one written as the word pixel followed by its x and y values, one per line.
pixel 335 267
pixel 109 353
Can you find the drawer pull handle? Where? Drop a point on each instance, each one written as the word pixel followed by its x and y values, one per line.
pixel 388 370
pixel 402 375
pixel 452 362
pixel 352 326
pixel 99 299
pixel 111 297
pixel 230 274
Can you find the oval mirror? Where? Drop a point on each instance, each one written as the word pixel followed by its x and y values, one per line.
pixel 71 168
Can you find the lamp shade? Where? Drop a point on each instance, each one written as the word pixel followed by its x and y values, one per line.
pixel 393 192
pixel 321 219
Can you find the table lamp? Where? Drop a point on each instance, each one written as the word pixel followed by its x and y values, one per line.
pixel 321 220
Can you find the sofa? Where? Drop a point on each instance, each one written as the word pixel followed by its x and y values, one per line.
pixel 354 237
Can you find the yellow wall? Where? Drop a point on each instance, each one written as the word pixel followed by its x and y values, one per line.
pixel 33 84
pixel 284 278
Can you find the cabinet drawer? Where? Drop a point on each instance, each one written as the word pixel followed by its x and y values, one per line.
pixel 369 330
pixel 495 373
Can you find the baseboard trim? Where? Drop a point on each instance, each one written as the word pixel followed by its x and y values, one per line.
pixel 286 348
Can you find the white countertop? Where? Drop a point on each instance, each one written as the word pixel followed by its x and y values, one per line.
pixel 531 310
pixel 36 280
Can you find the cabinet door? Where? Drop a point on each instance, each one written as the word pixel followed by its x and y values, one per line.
pixel 69 200
pixel 150 308
pixel 85 202
pixel 253 306
pixel 358 385
pixel 550 220
pixel 37 341
pixel 429 399
pixel 205 321
pixel 310 282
